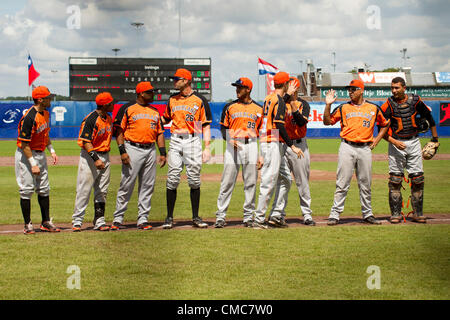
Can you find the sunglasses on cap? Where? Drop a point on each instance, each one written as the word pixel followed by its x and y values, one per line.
pixel 353 89
pixel 177 78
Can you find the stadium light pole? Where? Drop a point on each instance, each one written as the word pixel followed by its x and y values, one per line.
pixel 334 62
pixel 115 51
pixel 137 26
pixel 54 73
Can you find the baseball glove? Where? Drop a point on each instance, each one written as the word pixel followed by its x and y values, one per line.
pixel 429 150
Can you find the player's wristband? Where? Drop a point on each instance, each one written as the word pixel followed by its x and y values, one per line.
pixel 122 149
pixel 434 139
pixel 32 161
pixel 50 148
pixel 162 151
pixel 94 155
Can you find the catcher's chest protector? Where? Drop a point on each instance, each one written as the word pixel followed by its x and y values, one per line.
pixel 403 121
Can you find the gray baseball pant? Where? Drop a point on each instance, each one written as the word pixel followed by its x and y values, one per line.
pixel 186 151
pixel 233 159
pixel 275 172
pixel 300 168
pixel 90 177
pixel 410 158
pixel 359 158
pixel 143 168
pixel 27 182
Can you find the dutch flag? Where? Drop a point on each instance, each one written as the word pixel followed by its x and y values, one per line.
pixel 265 67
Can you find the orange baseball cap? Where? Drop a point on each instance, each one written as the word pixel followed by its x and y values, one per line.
pixel 182 73
pixel 243 82
pixel 356 83
pixel 41 92
pixel 143 86
pixel 295 82
pixel 281 77
pixel 103 98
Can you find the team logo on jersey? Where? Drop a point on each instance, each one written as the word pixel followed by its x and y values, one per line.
pixel 10 115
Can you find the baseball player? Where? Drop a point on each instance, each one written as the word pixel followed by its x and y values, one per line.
pixel 94 166
pixel 297 113
pixel 357 118
pixel 190 115
pixel 239 122
pixel 30 160
pixel 273 137
pixel 405 151
pixel 137 127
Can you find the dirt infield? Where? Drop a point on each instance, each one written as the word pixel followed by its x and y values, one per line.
pixel 293 222
pixel 73 160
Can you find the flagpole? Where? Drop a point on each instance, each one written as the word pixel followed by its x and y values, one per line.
pixel 257 77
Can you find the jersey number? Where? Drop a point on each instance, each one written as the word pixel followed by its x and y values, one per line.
pixel 366 123
pixel 189 117
pixel 251 125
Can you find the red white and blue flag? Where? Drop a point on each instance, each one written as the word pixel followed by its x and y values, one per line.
pixel 32 73
pixel 265 67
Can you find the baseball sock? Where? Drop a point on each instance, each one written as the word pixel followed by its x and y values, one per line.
pixel 195 201
pixel 171 197
pixel 25 205
pixel 44 203
pixel 99 208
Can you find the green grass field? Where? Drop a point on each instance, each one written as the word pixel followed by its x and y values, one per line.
pixel 295 263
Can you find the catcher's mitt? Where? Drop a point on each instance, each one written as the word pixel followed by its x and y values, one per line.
pixel 429 150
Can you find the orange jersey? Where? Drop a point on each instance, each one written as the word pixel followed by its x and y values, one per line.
pixel 274 111
pixel 293 129
pixel 96 130
pixel 241 119
pixel 358 122
pixel 34 128
pixel 188 114
pixel 140 124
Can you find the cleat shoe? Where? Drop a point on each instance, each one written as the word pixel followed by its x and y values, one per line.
pixel 371 220
pixel 332 222
pixel 309 222
pixel 277 222
pixel 48 226
pixel 419 219
pixel 115 226
pixel 145 226
pixel 28 229
pixel 168 223
pixel 76 228
pixel 257 225
pixel 198 223
pixel 248 224
pixel 103 227
pixel 395 219
pixel 219 224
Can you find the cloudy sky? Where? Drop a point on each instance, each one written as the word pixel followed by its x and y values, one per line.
pixel 232 33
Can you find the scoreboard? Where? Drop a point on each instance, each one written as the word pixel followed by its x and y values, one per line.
pixel 119 76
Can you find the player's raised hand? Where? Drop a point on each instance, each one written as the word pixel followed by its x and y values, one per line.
pixel 330 97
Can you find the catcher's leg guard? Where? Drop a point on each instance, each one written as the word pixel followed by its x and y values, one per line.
pixel 417 186
pixel 99 208
pixel 395 194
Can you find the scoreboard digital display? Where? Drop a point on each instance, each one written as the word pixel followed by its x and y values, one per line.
pixel 119 76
